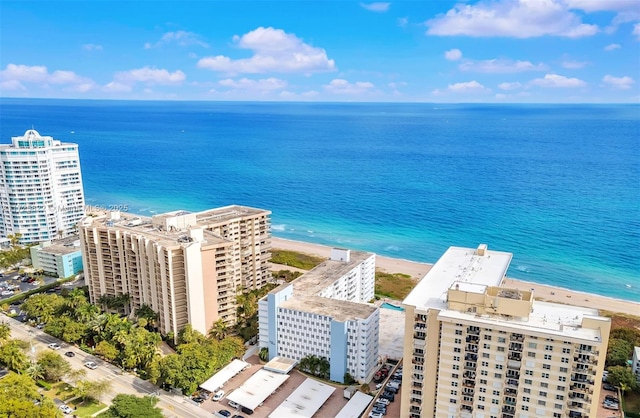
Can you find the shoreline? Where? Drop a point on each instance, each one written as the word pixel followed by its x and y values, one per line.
pixel 417 270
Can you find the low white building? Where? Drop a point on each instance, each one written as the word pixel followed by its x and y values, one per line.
pixel 326 313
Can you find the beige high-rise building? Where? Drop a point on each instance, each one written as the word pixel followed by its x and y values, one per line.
pixel 476 349
pixel 188 267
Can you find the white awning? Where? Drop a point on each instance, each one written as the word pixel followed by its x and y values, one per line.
pixel 216 381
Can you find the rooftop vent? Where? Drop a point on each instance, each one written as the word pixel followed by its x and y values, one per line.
pixel 482 248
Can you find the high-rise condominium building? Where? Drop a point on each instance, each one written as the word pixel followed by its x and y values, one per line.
pixel 188 267
pixel 325 313
pixel 476 349
pixel 41 195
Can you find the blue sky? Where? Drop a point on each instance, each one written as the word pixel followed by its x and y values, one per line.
pixel 494 51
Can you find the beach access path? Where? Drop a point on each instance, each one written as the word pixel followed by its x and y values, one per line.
pixel 418 270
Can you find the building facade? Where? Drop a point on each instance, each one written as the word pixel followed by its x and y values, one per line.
pixel 41 194
pixel 177 263
pixel 635 363
pixel 61 258
pixel 325 313
pixel 477 349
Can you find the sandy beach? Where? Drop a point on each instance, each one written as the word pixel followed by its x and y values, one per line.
pixel 418 270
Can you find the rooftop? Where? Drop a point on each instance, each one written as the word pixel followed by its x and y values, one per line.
pixel 326 273
pixel 257 388
pixel 63 246
pixel 473 269
pixel 147 227
pixel 547 318
pixel 305 401
pixel 339 310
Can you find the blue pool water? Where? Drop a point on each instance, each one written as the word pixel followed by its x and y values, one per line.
pixel 390 306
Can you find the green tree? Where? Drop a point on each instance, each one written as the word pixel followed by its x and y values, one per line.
pixel 145 312
pixel 43 307
pixel 17 393
pixel 622 377
pixel 76 375
pixel 264 354
pixel 13 356
pixel 130 406
pixel 5 332
pixel 35 371
pixel 188 335
pixel 53 365
pixel 91 389
pixel 218 330
pixel 618 352
pixel 107 350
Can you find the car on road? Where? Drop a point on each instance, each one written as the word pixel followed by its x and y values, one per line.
pixel 90 365
pixel 54 346
pixel 70 354
pixel 198 399
pixel 65 409
pixel 218 395
pixel 40 326
pixel 7 293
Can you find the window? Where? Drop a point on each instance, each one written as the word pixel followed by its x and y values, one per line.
pixel 452 400
pixel 561 388
pixel 496 393
pixel 455 375
pixel 548 347
pixel 456 350
pixel 532 345
pixel 486 346
pixel 458 332
pixel 565 360
pixel 566 350
pixel 454 392
pixel 531 354
pixel 457 341
pixel 525 407
pixel 563 370
pixel 528 381
pixel 546 366
pixel 541 403
pixel 527 390
pixel 485 364
pixel 562 378
pixel 547 356
pixel 529 372
pixel 485 355
pixel 498 375
pixel 545 375
pixel 543 394
pixel 526 399
pixel 560 397
pixel 487 337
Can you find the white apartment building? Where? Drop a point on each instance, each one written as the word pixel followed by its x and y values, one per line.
pixel 177 263
pixel 635 363
pixel 325 313
pixel 477 349
pixel 41 195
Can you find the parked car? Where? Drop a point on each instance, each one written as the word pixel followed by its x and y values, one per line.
pixel 383 401
pixel 224 413
pixel 198 399
pixel 611 398
pixel 90 365
pixel 374 415
pixel 65 409
pixel 218 395
pixel 609 387
pixel 233 404
pixel 54 346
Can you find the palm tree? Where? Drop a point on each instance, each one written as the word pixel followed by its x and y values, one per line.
pixel 218 330
pixel 75 375
pixel 5 332
pixel 35 371
pixel 14 238
pixel 324 368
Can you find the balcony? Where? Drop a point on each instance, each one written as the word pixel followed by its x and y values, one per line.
pixel 512 383
pixel 516 337
pixel 507 409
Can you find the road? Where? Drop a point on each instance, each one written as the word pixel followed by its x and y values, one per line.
pixel 173 406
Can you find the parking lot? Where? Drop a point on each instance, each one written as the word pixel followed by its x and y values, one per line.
pixel 606 412
pixel 12 282
pixel 330 408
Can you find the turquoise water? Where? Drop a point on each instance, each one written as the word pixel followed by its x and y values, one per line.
pixel 555 185
pixel 390 306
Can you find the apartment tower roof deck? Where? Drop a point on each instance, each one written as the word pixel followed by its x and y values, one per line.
pixel 472 270
pixel 340 310
pixel 327 273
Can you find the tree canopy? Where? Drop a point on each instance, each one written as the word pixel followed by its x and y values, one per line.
pixel 130 406
pixel 17 396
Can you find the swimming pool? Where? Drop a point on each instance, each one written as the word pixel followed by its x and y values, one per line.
pixel 390 306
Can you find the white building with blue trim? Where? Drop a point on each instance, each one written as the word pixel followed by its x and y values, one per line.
pixel 326 313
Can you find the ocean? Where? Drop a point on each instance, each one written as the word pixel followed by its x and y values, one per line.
pixel 556 185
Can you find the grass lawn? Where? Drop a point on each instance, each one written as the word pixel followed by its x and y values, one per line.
pixel 393 285
pixel 86 408
pixel 60 390
pixel 632 402
pixel 295 259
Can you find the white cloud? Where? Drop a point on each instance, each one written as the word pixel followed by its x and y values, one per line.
pixel 500 66
pixel 403 21
pixel 511 18
pixel 574 65
pixel 509 86
pixel 453 54
pixel 267 84
pixel 150 75
pixel 376 7
pixel 11 85
pixel 92 47
pixel 274 51
pixel 116 87
pixel 555 80
pixel 468 87
pixel 636 30
pixel 342 86
pixel 14 76
pixel 622 83
pixel 395 85
pixel 603 5
pixel 612 47
pixel 181 38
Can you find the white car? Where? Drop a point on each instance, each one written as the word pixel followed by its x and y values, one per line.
pixel 91 365
pixel 65 409
pixel 7 292
pixel 218 395
pixel 383 401
pixel 54 346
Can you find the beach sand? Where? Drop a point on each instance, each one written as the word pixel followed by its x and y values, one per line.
pixel 418 270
